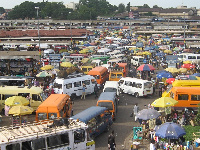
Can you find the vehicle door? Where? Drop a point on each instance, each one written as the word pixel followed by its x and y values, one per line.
pixel 89 87
pixel 78 87
pixel 126 87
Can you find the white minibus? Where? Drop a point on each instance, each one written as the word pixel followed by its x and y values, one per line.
pixel 136 87
pixel 195 58
pixel 137 60
pixel 72 85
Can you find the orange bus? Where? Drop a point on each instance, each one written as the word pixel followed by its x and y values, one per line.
pixel 186 96
pixel 124 67
pixel 100 74
pixel 55 106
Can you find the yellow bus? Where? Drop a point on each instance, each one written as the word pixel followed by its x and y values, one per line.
pixel 181 83
pixel 36 94
pixel 186 96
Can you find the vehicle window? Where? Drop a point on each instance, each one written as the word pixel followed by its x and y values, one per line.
pixel 133 84
pixel 26 145
pixel 191 57
pixel 198 57
pixel 61 113
pixel 64 139
pixel 77 84
pixel 52 115
pixel 147 85
pixel 86 82
pixel 106 104
pixel 89 69
pixel 79 136
pixel 36 97
pixel 138 85
pixel 68 86
pixel 127 83
pixel 195 97
pixel 182 96
pixel 121 82
pixel 97 77
pixel 92 122
pixel 93 81
pixel 56 85
pixel 85 69
pixel 172 95
pixel 39 144
pixel 13 146
pixel 113 75
pixel 53 141
pixel 110 89
pixel 42 116
pixel 119 75
pixel 4 97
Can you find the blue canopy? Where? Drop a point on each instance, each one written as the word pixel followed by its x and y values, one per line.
pixel 170 130
pixel 164 75
pixel 89 113
pixel 107 96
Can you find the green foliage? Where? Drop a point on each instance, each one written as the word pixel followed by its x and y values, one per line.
pixel 2 10
pixel 197 118
pixel 189 132
pixel 155 6
pixel 121 8
pixel 128 7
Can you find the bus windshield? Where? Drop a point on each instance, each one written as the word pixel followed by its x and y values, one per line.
pixel 106 104
pixel 147 85
pixel 109 89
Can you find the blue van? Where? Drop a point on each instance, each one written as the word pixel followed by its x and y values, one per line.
pixel 96 118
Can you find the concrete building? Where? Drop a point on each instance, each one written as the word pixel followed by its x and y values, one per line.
pixel 71 5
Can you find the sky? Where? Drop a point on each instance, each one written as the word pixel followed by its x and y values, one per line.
pixel 8 4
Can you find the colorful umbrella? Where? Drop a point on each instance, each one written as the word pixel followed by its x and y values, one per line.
pixel 20 110
pixel 188 66
pixel 66 64
pixel 170 130
pixel 43 74
pixel 172 70
pixel 145 67
pixel 164 102
pixel 170 80
pixel 164 75
pixel 182 70
pixel 47 67
pixel 187 62
pixel 16 100
pixel 168 51
pixel 147 114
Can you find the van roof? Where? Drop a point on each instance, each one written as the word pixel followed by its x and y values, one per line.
pixel 54 100
pixel 111 84
pixel 187 89
pixel 107 96
pixel 12 90
pixel 97 70
pixel 89 113
pixel 134 79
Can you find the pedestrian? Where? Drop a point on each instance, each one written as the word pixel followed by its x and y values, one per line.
pixel 111 141
pixel 152 145
pixel 135 110
pixel 83 91
pixel 96 90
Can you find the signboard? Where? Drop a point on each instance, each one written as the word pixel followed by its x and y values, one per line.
pixel 137 131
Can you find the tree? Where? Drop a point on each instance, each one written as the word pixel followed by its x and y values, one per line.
pixel 155 6
pixel 2 10
pixel 128 7
pixel 146 6
pixel 121 8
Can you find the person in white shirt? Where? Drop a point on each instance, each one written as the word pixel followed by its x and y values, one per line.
pixel 152 145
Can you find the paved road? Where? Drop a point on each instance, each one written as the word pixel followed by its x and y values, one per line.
pixel 124 123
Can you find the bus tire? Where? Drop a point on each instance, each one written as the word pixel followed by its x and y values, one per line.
pixel 73 96
pixel 137 95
